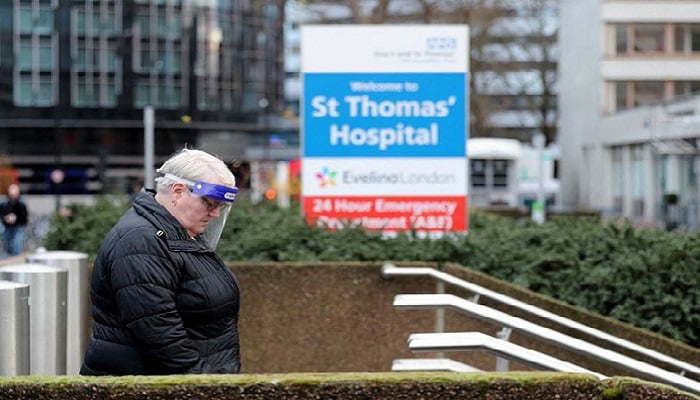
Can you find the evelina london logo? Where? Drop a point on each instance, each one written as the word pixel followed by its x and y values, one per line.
pixel 326 177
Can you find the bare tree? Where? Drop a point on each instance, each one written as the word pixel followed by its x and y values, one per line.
pixel 512 53
pixel 533 55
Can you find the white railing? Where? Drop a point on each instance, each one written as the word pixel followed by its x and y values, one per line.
pixel 461 341
pixel 390 270
pixel 432 301
pixel 431 364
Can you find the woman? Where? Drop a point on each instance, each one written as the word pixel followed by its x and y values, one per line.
pixel 162 301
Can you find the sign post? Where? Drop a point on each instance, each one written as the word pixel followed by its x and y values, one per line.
pixel 384 127
pixel 148 147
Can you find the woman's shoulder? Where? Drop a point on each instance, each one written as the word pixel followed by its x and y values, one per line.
pixel 131 229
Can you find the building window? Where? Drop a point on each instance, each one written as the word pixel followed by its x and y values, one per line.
pixel 174 28
pixel 86 95
pixel 163 95
pixel 648 92
pixel 168 97
pixel 687 38
pixel 689 178
pixel 142 24
pixel 628 94
pixel 45 55
pixel 621 97
pixel 23 91
pixel 648 38
pixel 80 59
pixel 639 38
pixel 25 20
pixel 142 94
pixel 110 95
pixel 112 58
pixel 34 92
pixel 27 57
pixel 478 173
pixel 208 95
pixel 94 92
pixel 163 28
pixel 685 88
pixel 87 58
pixel 621 38
pixel 500 173
pixel 145 62
pixel 108 23
pixel 227 94
pixel 173 62
pixel 44 95
pixel 95 22
pixel 44 23
pixel 24 55
pixel 489 173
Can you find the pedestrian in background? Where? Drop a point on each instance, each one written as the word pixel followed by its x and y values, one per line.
pixel 14 215
pixel 163 302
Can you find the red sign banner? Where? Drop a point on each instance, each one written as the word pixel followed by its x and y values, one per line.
pixel 389 214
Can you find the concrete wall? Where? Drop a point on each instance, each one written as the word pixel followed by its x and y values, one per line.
pixel 338 317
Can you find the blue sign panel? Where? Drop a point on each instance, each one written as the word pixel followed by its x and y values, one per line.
pixel 385 115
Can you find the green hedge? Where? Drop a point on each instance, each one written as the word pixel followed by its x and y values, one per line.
pixel 646 277
pixel 370 386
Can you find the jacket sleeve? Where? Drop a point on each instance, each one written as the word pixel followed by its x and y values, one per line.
pixel 144 283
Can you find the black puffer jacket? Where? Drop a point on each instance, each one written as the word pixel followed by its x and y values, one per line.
pixel 161 302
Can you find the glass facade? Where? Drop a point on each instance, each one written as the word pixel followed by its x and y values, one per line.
pixel 77 75
pixel 36 49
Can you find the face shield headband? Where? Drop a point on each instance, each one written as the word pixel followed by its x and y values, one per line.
pixel 226 194
pixel 206 189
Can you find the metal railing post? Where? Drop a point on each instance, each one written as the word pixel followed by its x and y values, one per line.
pixel 78 302
pixel 14 320
pixel 47 314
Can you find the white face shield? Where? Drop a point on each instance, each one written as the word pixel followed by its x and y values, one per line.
pixel 214 196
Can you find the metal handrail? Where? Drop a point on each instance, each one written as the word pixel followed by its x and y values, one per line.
pixel 497 317
pixel 389 270
pixel 431 364
pixel 460 341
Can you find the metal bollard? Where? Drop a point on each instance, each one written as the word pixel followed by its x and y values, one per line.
pixel 14 320
pixel 78 302
pixel 47 314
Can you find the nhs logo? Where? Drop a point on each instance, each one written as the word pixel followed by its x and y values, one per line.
pixel 441 43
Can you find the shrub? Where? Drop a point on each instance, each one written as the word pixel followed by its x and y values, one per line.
pixel 649 278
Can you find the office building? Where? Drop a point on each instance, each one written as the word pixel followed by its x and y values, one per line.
pixel 629 110
pixel 76 76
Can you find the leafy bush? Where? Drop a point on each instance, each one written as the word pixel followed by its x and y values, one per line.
pixel 649 278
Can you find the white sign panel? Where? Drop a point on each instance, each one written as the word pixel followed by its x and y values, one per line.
pixel 384 117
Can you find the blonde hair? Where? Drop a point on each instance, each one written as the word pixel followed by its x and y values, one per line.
pixel 192 164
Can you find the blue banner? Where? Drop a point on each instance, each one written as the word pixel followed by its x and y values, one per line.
pixel 385 114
